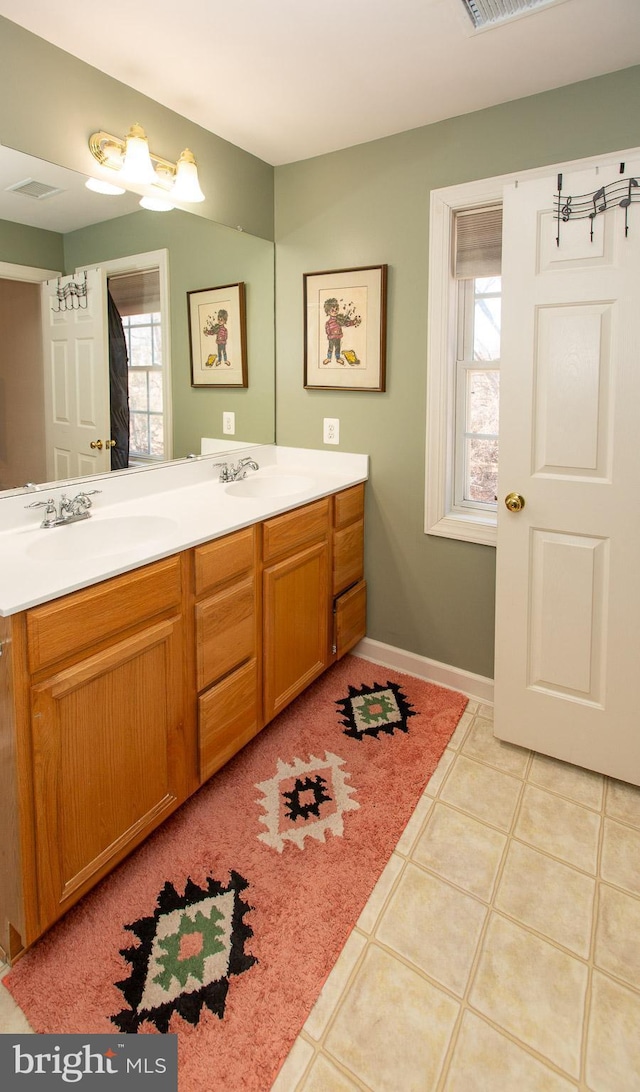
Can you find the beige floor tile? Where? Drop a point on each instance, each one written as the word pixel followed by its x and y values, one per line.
pixel 533 990
pixel 486 1061
pixel 548 896
pixel 486 711
pixel 583 786
pixel 334 986
pixel 621 856
pixel 617 949
pixel 613 1047
pixel 393 1027
pixel 623 802
pixel 461 849
pixel 369 916
pixel 483 745
pixel 414 826
pixel 461 730
pixel 434 926
pixel 440 772
pixel 485 793
pixel 560 827
pixel 12 1018
pixel 293 1067
pixel 325 1077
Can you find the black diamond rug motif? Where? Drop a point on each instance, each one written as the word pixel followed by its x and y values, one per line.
pixel 189 948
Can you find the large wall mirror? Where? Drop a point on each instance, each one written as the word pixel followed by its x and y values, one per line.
pixel 72 228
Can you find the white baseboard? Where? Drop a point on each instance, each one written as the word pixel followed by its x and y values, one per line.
pixel 477 687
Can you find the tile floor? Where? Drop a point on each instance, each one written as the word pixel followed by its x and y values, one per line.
pixel 500 950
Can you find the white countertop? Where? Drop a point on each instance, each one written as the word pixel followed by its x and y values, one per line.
pixel 141 517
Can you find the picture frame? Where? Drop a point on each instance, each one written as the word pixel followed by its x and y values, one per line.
pixel 345 329
pixel 218 336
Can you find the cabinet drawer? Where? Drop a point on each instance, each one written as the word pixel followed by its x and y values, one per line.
pixel 287 533
pixel 350 618
pixel 228 717
pixel 225 631
pixel 348 556
pixel 349 506
pixel 65 626
pixel 224 559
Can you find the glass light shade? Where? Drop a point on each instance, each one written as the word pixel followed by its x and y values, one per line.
pixel 137 166
pixel 98 186
pixel 156 204
pixel 186 186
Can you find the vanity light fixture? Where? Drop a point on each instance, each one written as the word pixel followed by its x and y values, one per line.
pixel 136 164
pixel 98 186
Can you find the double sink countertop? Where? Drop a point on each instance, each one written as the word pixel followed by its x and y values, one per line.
pixel 142 516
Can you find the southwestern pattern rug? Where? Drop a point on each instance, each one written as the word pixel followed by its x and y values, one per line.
pixel 224 925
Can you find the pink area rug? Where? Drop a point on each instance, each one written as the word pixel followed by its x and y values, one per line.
pixel 224 925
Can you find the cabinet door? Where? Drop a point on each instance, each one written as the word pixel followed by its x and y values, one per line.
pixel 109 760
pixel 296 625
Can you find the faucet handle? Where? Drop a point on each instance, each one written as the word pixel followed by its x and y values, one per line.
pixel 49 504
pixel 225 474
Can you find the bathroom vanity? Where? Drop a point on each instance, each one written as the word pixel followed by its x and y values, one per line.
pixel 145 667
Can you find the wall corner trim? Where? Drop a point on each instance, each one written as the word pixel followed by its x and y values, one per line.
pixel 477 687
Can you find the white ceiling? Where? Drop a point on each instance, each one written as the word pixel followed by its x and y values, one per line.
pixel 290 79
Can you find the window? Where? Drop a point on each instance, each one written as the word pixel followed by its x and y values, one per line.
pixel 143 334
pixel 463 379
pixel 137 295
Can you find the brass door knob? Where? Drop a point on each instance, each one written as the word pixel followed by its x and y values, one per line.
pixel 109 443
pixel 96 444
pixel 514 502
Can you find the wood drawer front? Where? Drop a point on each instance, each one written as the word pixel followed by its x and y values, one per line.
pixel 224 559
pixel 348 556
pixel 228 717
pixel 65 626
pixel 350 618
pixel 349 506
pixel 225 631
pixel 284 534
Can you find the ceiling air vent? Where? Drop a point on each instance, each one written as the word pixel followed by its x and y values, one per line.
pixel 485 13
pixel 30 188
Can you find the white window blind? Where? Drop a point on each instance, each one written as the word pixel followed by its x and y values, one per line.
pixel 136 293
pixel 478 243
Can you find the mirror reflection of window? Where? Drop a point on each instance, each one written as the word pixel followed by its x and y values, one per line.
pixel 137 297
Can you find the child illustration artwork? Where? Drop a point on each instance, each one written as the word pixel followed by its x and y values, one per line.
pixel 337 319
pixel 219 330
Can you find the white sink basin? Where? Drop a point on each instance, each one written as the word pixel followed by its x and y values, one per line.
pixel 99 537
pixel 271 485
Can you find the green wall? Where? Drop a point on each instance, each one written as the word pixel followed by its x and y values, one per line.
pixel 201 255
pixel 21 245
pixel 51 103
pixel 369 205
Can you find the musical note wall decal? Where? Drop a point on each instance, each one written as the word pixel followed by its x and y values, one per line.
pixel 587 206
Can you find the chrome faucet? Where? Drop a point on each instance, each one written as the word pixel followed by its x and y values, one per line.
pixel 68 510
pixel 235 473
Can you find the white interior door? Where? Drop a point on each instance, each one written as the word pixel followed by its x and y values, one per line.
pixel 76 379
pixel 568 563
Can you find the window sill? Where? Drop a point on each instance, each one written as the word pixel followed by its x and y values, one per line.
pixel 467 527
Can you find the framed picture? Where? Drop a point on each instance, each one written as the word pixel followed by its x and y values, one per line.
pixel 345 313
pixel 217 336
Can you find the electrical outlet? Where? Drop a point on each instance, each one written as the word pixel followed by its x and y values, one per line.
pixel 229 423
pixel 331 430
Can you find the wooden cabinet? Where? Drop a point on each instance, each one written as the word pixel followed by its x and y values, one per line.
pixel 119 700
pixel 349 587
pixel 227 640
pixel 108 717
pixel 296 596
